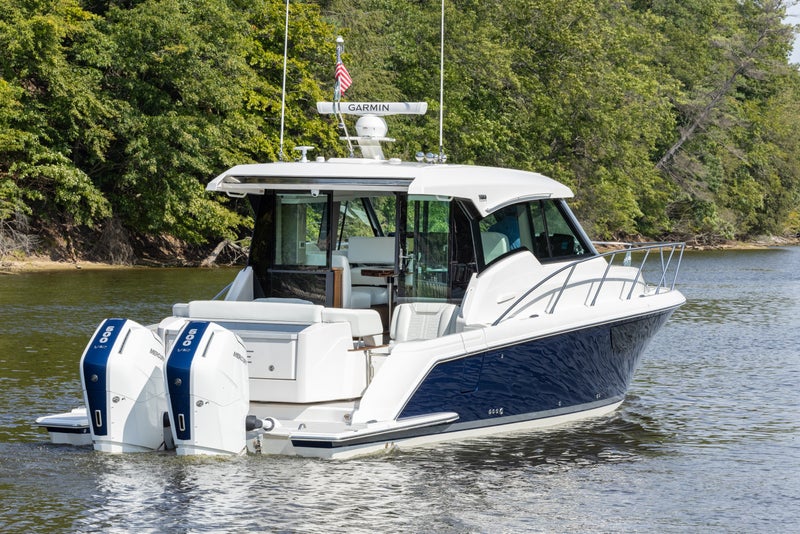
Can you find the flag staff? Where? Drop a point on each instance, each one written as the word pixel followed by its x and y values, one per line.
pixel 341 84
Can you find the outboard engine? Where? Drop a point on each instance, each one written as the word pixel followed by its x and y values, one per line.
pixel 208 390
pixel 122 374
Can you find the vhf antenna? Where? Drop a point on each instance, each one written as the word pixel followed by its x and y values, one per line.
pixel 442 157
pixel 283 87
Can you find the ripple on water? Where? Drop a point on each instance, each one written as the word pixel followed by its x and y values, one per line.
pixel 707 438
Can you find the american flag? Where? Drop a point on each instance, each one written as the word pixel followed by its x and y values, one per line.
pixel 343 77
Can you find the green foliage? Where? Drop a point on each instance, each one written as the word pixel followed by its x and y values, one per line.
pixel 737 93
pixel 50 111
pixel 178 81
pixel 311 49
pixel 666 117
pixel 572 90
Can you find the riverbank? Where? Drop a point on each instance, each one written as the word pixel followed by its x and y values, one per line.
pixel 40 264
pixel 26 264
pixel 757 243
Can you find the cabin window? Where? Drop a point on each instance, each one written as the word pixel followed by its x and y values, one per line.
pixel 289 252
pixel 365 217
pixel 544 227
pixel 502 231
pixel 427 231
pixel 556 234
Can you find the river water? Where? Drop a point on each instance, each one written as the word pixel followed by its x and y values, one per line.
pixel 708 438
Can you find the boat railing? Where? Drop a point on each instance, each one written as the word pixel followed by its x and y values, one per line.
pixel 223 291
pixel 658 260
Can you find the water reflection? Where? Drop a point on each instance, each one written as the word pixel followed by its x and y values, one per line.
pixel 710 428
pixel 616 438
pixel 465 486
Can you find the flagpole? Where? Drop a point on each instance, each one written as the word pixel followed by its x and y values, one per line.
pixel 337 86
pixel 337 95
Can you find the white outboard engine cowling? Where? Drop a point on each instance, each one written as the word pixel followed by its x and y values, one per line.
pixel 208 390
pixel 122 374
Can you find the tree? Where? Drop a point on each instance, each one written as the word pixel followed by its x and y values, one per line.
pixel 739 51
pixel 50 111
pixel 310 61
pixel 664 116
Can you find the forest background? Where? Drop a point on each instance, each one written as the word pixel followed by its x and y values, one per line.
pixel 668 118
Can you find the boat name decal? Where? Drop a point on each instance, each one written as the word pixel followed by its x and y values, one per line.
pixel 495 411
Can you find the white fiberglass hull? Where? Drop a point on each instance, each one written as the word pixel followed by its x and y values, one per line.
pixel 531 383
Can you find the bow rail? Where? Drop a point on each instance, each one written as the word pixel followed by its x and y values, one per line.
pixel 665 267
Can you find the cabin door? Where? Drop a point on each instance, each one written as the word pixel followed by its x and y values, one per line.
pixel 438 250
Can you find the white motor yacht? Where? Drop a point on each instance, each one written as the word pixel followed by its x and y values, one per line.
pixel 384 305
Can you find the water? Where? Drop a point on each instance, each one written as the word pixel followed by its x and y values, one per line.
pixel 708 438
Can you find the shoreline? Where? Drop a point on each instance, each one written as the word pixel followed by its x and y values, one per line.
pixel 33 264
pixel 37 264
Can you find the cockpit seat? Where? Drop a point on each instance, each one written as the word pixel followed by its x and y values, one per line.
pixel 366 253
pixel 351 297
pixel 562 244
pixel 494 244
pixel 414 321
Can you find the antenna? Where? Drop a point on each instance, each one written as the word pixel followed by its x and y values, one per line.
pixel 283 87
pixel 442 157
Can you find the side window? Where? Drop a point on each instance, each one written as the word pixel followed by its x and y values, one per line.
pixel 365 217
pixel 428 247
pixel 500 232
pixel 540 226
pixel 556 237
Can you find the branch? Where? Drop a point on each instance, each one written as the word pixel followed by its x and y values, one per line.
pixel 212 258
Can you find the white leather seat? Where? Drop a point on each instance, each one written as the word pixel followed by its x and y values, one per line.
pixel 350 298
pixel 422 320
pixel 377 295
pixel 365 325
pixel 371 253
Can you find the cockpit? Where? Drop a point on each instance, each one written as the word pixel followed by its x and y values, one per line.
pixel 343 249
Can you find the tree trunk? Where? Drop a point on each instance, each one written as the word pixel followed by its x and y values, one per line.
pixel 212 258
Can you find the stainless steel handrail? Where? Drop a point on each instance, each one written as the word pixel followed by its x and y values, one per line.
pixel 223 290
pixel 628 250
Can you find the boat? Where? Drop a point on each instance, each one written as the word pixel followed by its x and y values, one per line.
pixel 385 304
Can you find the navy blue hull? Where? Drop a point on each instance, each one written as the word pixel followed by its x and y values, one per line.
pixel 556 375
pixel 590 366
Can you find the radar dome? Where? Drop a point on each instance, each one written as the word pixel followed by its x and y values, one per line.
pixel 371 126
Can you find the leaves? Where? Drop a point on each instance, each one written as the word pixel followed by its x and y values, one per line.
pixel 665 117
